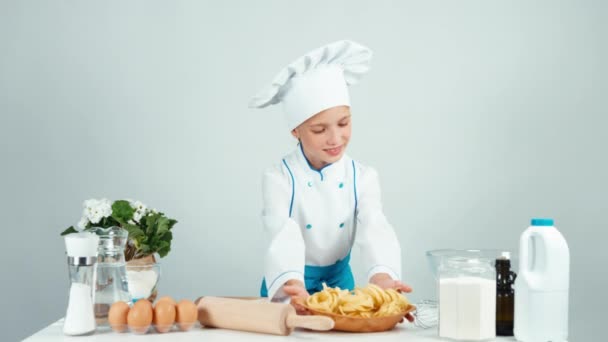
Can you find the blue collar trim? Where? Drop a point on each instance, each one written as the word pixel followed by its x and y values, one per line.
pixel 310 165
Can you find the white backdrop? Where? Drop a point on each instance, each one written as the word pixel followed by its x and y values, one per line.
pixel 478 115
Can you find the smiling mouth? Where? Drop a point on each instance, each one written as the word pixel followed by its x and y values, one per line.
pixel 333 151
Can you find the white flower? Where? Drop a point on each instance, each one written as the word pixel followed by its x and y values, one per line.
pixel 137 216
pixel 95 210
pixel 140 210
pixel 82 223
pixel 106 207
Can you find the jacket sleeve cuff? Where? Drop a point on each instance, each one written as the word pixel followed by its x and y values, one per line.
pixel 382 269
pixel 275 287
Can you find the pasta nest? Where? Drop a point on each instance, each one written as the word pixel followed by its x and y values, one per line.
pixel 366 302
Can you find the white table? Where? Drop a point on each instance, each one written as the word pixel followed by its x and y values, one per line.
pixel 405 332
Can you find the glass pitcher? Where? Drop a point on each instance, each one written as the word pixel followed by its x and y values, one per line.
pixel 467 299
pixel 111 285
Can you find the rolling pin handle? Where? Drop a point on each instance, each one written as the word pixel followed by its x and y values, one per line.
pixel 320 323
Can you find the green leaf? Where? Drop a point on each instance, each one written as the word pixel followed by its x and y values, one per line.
pixel 145 249
pixel 120 221
pixel 172 223
pixel 70 230
pixel 152 234
pixel 163 248
pixel 107 222
pixel 168 236
pixel 121 210
pixel 135 233
pixel 163 225
pixel 150 223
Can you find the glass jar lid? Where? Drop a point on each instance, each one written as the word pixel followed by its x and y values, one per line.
pixel 467 266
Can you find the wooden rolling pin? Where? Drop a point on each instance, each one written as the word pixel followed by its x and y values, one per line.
pixel 256 316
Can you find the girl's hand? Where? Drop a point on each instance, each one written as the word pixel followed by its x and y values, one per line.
pixel 383 280
pixel 296 290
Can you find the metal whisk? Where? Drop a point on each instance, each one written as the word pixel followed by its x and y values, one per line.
pixel 426 314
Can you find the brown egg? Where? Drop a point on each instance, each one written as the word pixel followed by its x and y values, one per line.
pixel 164 316
pixel 187 313
pixel 140 316
pixel 168 298
pixel 117 317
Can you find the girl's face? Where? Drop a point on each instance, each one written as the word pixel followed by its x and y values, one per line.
pixel 324 137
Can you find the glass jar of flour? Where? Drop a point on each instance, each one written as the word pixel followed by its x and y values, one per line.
pixel 467 299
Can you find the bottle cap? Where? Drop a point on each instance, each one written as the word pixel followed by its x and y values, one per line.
pixel 542 222
pixel 81 244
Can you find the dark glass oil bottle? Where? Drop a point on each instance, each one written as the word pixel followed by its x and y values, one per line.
pixel 505 296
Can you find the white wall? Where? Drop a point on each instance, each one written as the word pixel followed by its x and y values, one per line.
pixel 478 116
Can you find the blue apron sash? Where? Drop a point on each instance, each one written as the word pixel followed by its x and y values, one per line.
pixel 336 275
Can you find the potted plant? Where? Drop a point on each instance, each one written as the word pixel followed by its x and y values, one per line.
pixel 149 234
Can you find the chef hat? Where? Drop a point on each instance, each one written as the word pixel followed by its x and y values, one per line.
pixel 317 81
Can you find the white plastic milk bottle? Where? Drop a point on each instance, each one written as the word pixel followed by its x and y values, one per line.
pixel 541 288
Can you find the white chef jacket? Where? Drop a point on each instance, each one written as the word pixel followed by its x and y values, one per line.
pixel 313 217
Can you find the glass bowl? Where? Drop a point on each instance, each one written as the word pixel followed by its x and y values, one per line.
pixel 434 257
pixel 143 280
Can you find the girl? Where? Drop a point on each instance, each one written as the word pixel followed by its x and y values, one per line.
pixel 318 202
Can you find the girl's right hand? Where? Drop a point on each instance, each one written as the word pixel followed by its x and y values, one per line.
pixel 297 291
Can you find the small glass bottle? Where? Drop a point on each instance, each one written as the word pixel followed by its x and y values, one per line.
pixel 505 296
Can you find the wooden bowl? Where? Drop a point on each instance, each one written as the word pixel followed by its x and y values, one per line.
pixel 362 324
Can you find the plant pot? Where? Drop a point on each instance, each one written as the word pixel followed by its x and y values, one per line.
pixel 143 275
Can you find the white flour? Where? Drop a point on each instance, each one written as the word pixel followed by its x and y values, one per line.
pixel 141 283
pixel 467 308
pixel 79 318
